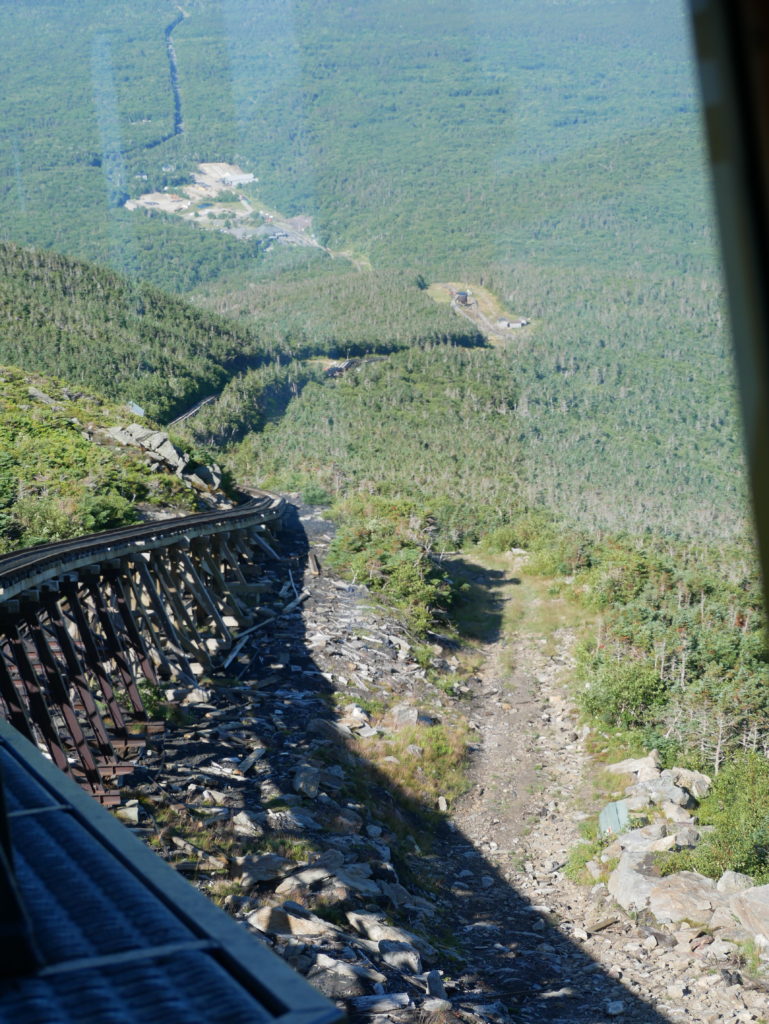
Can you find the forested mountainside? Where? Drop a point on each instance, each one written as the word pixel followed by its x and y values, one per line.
pixel 596 410
pixel 132 342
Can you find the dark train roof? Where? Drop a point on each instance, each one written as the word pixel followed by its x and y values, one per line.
pixel 120 937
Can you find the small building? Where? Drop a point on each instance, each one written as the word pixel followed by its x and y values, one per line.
pixel 463 298
pixel 237 179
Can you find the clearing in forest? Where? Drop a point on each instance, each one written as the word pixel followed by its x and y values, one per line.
pixel 481 307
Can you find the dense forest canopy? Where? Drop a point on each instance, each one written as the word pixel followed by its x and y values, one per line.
pixel 441 135
pixel 549 150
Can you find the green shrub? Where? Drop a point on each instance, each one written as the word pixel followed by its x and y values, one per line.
pixel 623 693
pixel 385 544
pixel 738 808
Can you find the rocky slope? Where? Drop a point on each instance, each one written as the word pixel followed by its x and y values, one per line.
pixel 300 789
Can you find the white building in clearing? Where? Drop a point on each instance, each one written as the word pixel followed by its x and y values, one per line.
pixel 229 175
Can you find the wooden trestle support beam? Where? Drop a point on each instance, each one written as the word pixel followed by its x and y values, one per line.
pixel 78 649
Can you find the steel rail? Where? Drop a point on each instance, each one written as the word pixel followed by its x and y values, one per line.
pixel 26 569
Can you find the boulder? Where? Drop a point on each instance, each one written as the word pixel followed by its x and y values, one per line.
pixel 400 955
pixel 733 882
pixel 244 823
pixel 307 878
pixel 355 716
pixel 694 782
pixel 335 979
pixel 752 909
pixel 641 839
pixel 664 844
pixel 685 896
pixel 648 766
pixel 435 985
pixel 264 868
pixel 659 790
pixel 307 781
pixel 281 921
pixel 632 880
pixel 403 715
pixel 328 730
pixel 375 928
pixel 675 813
pixel 198 695
pixel 725 922
pixel 345 821
pixel 357 877
pixel 687 837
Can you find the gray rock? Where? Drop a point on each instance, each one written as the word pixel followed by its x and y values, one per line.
pixel 694 782
pixel 375 927
pixel 347 821
pixel 641 839
pixel 129 813
pixel 632 880
pixel 197 695
pixel 381 1004
pixel 400 955
pixel 42 397
pixel 687 837
pixel 636 765
pixel 331 859
pixel 725 921
pixel 356 877
pixel 307 780
pixel 263 868
pixel 282 921
pixel 209 476
pixel 366 732
pixel 395 892
pixel 435 985
pixel 403 715
pixel 244 823
pixel 290 820
pixel 719 949
pixel 328 730
pixel 752 909
pixel 337 981
pixel 659 790
pixel 732 882
pixel 307 877
pixel 354 716
pixel 685 896
pixel 675 813
pixel 435 1005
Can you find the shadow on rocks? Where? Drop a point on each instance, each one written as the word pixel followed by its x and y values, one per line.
pixel 334 859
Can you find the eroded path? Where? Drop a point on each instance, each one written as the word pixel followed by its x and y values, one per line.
pixel 573 956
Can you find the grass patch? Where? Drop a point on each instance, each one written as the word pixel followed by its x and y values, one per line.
pixel 431 761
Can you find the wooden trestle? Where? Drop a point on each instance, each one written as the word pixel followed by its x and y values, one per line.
pixel 82 631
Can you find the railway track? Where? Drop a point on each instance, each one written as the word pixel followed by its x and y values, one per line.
pixel 90 626
pixel 97 927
